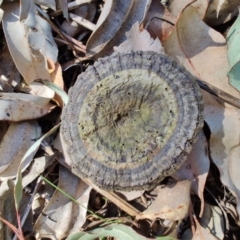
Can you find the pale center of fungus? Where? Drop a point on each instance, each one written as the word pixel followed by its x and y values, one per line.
pixel 127 118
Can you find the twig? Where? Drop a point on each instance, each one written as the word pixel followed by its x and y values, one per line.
pixel 113 197
pixel 87 24
pixel 219 93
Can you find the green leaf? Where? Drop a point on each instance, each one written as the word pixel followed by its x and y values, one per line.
pixel 120 232
pixel 58 90
pixel 233 39
pixel 18 185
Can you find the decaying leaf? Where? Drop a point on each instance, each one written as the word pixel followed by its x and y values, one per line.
pixel 213 220
pixel 224 121
pixel 221 11
pixel 199 232
pixel 18 106
pixel 159 22
pixel 196 168
pixel 129 196
pixel 139 40
pixel 17 140
pixel 116 18
pixel 172 203
pixel 201 54
pixel 29 42
pixel 61 215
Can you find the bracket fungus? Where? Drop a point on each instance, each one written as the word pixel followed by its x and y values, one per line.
pixel 131 120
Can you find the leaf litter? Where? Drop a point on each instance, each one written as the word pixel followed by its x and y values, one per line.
pixel 183 30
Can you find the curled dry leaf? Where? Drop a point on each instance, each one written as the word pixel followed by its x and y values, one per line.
pixel 29 41
pixel 196 168
pixel 63 216
pixel 203 52
pixel 224 123
pixel 18 106
pixel 139 40
pixel 172 203
pixel 17 140
pixel 159 21
pixel 199 232
pixel 116 18
pixel 221 11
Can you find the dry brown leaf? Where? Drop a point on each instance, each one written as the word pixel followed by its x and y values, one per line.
pixel 30 41
pixel 224 122
pixel 139 40
pixel 172 203
pixel 4 85
pixel 202 233
pixel 202 50
pixel 17 140
pixel 159 21
pixel 213 220
pixel 196 168
pixel 129 196
pixel 18 106
pixel 221 11
pixel 62 216
pixel 116 18
pixel 110 20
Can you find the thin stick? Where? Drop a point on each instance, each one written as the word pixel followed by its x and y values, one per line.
pixel 219 93
pixel 84 22
pixel 113 197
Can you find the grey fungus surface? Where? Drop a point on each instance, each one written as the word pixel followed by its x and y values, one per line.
pixel 131 120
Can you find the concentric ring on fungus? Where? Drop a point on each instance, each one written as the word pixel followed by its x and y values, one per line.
pixel 131 120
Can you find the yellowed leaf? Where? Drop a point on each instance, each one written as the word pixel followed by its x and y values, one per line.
pixel 224 121
pixel 201 49
pixel 172 203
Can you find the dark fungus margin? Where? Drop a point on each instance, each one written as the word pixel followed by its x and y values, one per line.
pixel 131 120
